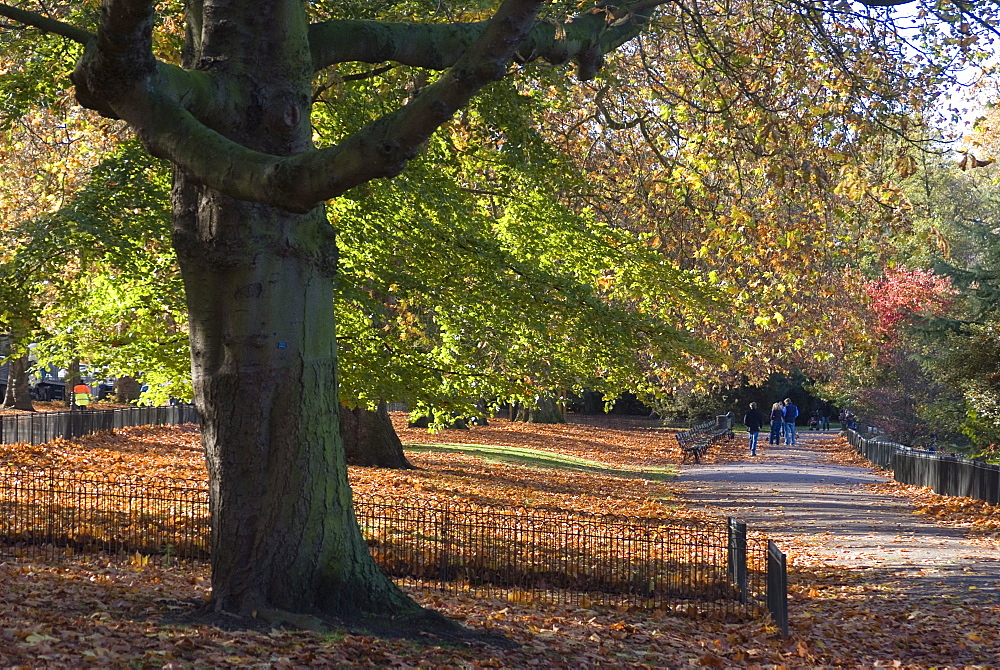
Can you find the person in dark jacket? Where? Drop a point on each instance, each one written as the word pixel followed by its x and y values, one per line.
pixel 791 412
pixel 777 418
pixel 753 421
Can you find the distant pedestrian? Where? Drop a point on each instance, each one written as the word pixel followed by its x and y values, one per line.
pixel 777 418
pixel 81 395
pixel 753 421
pixel 824 419
pixel 791 412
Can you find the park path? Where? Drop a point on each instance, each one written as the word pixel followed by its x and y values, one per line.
pixel 829 514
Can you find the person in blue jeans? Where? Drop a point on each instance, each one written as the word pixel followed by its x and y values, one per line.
pixel 753 421
pixel 789 413
pixel 776 420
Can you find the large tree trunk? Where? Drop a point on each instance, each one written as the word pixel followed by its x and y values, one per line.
pixel 18 393
pixel 127 389
pixel 259 283
pixel 370 440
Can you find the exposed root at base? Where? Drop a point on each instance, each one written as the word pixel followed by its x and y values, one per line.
pixel 430 626
pixel 421 625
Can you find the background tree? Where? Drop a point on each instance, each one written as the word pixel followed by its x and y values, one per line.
pixel 48 153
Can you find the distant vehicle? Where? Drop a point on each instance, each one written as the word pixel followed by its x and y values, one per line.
pixel 48 388
pixel 51 385
pixel 103 389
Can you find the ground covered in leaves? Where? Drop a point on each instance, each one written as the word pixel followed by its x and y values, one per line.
pixel 103 612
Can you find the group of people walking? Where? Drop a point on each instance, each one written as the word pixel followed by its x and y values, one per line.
pixel 783 415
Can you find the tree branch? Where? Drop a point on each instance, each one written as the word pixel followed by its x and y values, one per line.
pixel 885 3
pixel 47 25
pixel 166 105
pixel 299 183
pixel 584 39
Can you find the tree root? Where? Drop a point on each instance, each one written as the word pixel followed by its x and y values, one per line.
pixel 430 626
pixel 419 624
pixel 293 620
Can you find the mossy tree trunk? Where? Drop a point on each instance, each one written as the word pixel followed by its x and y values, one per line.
pixel 259 285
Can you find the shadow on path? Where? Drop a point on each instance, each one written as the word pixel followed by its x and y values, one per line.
pixel 827 514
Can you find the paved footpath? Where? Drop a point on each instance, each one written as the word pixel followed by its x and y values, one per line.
pixel 831 512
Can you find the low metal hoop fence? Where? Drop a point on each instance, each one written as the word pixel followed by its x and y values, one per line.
pixel 511 553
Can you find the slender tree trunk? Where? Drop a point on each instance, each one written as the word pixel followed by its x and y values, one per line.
pixel 72 379
pixel 593 402
pixel 259 286
pixel 370 440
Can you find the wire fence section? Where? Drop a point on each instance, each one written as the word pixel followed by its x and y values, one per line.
pixel 43 427
pixel 947 474
pixel 46 513
pixel 511 553
pixel 522 554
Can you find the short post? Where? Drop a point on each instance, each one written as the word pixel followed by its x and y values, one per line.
pixel 444 570
pixel 737 556
pixel 777 587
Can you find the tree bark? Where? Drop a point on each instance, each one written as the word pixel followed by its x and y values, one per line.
pixel 593 402
pixel 284 534
pixel 544 410
pixel 72 379
pixel 370 440
pixel 18 394
pixel 259 286
pixel 127 389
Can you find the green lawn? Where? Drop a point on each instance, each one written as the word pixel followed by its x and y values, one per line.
pixel 546 459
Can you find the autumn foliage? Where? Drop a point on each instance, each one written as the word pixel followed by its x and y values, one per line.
pixel 903 295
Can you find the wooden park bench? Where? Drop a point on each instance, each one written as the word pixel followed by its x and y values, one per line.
pixel 694 442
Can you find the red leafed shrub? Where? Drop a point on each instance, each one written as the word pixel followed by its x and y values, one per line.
pixel 902 295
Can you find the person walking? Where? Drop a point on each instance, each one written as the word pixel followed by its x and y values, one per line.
pixel 777 418
pixel 81 396
pixel 790 413
pixel 753 421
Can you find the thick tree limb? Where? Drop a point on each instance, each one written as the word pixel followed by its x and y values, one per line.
pixel 439 46
pixel 46 24
pixel 151 103
pixel 382 148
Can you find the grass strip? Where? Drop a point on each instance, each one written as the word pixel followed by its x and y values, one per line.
pixel 545 459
